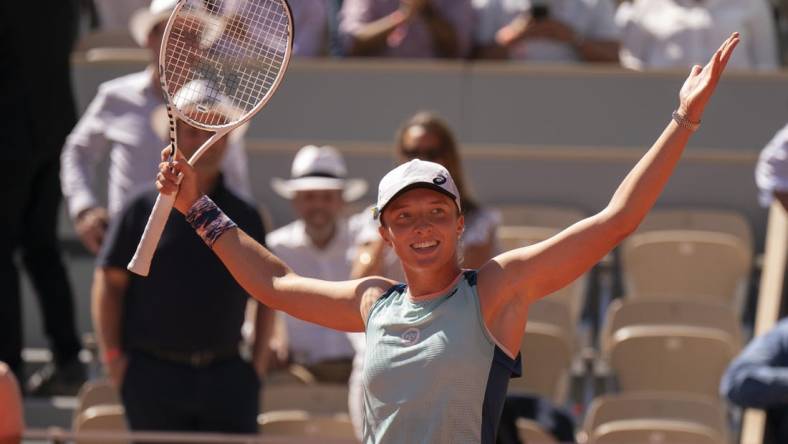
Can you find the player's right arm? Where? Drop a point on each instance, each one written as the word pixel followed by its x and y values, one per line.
pixel 338 305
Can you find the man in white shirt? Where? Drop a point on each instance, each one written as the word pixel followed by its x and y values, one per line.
pixel 771 172
pixel 119 121
pixel 555 31
pixel 682 33
pixel 319 244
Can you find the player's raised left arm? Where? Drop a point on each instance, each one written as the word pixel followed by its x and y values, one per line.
pixel 535 271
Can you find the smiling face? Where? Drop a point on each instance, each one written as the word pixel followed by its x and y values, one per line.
pixel 423 226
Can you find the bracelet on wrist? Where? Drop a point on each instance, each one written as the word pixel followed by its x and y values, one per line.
pixel 208 220
pixel 685 123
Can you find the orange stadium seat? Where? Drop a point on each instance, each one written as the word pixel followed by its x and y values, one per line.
pixel 626 312
pixel 550 347
pixel 670 358
pixel 302 423
pixel 654 417
pixel 312 398
pixel 101 418
pixel 93 393
pixel 703 264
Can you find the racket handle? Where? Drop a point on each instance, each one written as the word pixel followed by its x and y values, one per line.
pixel 140 263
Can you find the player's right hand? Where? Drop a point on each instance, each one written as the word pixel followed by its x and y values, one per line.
pixel 179 177
pixel 116 370
pixel 91 225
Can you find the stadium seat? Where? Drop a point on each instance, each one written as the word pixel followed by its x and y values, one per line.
pixel 101 418
pixel 670 358
pixel 545 216
pixel 530 432
pixel 698 219
pixel 706 265
pixel 549 347
pixel 654 417
pixel 312 398
pixel 551 311
pixel 93 393
pixel 627 312
pixel 302 423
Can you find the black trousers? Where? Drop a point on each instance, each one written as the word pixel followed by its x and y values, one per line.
pixel 222 397
pixel 28 225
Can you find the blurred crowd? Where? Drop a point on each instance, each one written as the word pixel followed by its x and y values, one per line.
pixel 638 34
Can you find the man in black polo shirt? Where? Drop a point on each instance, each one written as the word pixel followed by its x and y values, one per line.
pixel 170 341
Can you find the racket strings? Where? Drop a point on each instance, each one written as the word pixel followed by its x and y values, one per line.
pixel 223 57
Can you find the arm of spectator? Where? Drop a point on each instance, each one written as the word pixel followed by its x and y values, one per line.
pixel 524 28
pixel 758 377
pixel 83 149
pixel 763 42
pixel 366 37
pixel 263 330
pixel 109 288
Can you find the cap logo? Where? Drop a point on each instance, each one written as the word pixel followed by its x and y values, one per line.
pixel 439 180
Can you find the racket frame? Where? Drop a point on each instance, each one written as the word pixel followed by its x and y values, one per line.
pixel 140 262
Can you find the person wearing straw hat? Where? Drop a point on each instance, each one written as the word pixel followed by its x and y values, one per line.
pixel 442 346
pixel 121 122
pixel 171 346
pixel 320 244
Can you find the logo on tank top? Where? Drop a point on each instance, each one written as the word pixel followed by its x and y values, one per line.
pixel 411 336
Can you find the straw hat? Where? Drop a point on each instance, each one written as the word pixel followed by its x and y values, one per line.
pixel 319 168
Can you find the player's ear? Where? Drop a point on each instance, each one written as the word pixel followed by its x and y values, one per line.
pixel 384 233
pixel 460 225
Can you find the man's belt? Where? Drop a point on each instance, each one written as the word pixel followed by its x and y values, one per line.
pixel 199 358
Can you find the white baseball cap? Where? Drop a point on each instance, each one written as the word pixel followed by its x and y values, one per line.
pixel 319 168
pixel 144 19
pixel 415 174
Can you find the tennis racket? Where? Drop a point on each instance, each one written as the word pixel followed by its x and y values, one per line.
pixel 220 63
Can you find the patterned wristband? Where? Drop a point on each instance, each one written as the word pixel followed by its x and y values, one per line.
pixel 208 220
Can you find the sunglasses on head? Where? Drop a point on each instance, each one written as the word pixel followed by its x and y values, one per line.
pixel 426 154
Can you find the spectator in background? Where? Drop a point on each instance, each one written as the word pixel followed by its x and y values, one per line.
pixel 758 378
pixel 541 31
pixel 11 420
pixel 658 34
pixel 319 244
pixel 423 136
pixel 119 121
pixel 771 172
pixel 170 341
pixel 311 21
pixel 37 113
pixel 406 28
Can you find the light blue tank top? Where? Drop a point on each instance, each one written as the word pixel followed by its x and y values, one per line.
pixel 433 373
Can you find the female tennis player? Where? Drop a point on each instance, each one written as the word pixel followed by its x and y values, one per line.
pixel 442 346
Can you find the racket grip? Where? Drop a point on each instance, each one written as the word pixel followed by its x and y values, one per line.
pixel 140 263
